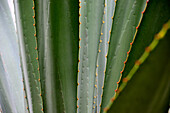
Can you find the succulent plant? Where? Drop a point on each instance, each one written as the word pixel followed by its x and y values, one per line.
pixel 85 56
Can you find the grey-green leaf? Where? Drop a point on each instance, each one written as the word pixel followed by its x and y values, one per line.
pixel 148 90
pixel 60 47
pixel 126 18
pixel 24 12
pixel 10 75
pixel 90 29
pixel 103 46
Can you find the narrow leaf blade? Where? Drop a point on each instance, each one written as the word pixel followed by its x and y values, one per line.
pixel 128 15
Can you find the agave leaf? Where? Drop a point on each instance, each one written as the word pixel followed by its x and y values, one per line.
pixel 24 12
pixel 148 90
pixel 11 86
pixel 90 30
pixel 41 23
pixel 103 46
pixel 59 28
pixel 127 17
pixel 57 38
pixel 155 16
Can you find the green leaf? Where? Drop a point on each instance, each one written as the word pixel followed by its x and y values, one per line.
pixel 150 74
pixel 24 12
pixel 41 22
pixel 155 16
pixel 148 90
pixel 60 26
pixel 103 46
pixel 127 17
pixel 90 30
pixel 11 86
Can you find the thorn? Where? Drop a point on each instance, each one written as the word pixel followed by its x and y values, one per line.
pixel 101 33
pixel 165 26
pixel 94 102
pixel 143 11
pixel 106 56
pixel 22 80
pixel 33 16
pixel 100 41
pixel 148 49
pixel 78 70
pixel 42 109
pixel 37 58
pixel 77 98
pixel 79 6
pixel 79 22
pixel 79 14
pixel 121 72
pixel 112 17
pixel 137 27
pixel 26 107
pixel 147 1
pixel 39 79
pixel 38 69
pixel 128 52
pixel 99 51
pixel 125 62
pixel 104 12
pixel 93 107
pixel 116 90
pixel 33 24
pixel 137 63
pixel 33 8
pixel 106 109
pixel 118 82
pixel 108 42
pixel 78 60
pixel 125 79
pixel 105 5
pixel 40 94
pixel 157 37
pixel 24 96
pixel 94 96
pixel 77 106
pixel 112 99
pixel 35 35
pixel 79 39
pixel 79 47
pixel 131 43
pixel 97 65
pixel 96 74
pixel 110 31
pixel 103 22
pixel 95 86
pixel 23 89
pixel 36 48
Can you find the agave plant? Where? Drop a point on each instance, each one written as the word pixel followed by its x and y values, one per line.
pixel 86 56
